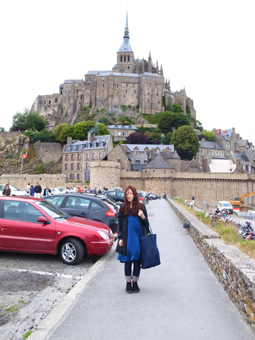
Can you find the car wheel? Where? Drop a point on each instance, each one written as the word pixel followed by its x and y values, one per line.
pixel 71 251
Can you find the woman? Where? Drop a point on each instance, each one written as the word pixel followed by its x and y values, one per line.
pixel 133 223
pixel 32 190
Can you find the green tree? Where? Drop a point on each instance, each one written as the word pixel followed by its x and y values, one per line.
pixel 43 136
pixel 58 129
pixel 28 120
pixel 177 108
pixel 104 120
pixel 186 142
pixel 166 122
pixel 167 139
pixel 179 120
pixel 67 131
pixel 80 130
pixel 209 135
pixel 125 120
pixel 101 130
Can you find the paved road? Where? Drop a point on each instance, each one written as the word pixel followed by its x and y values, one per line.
pixel 181 299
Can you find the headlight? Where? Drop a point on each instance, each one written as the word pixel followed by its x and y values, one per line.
pixel 104 235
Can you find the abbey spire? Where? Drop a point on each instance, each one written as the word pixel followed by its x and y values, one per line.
pixel 126 31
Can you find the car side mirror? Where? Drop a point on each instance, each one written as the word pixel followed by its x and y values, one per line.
pixel 43 219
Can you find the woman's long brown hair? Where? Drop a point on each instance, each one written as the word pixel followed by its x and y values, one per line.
pixel 135 204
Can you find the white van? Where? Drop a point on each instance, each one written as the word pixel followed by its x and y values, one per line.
pixel 225 205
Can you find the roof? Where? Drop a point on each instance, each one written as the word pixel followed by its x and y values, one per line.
pixel 243 142
pixel 211 145
pixel 172 155
pixel 125 46
pixel 226 134
pixel 79 146
pixel 110 73
pixel 158 162
pixel 70 81
pixel 142 147
pixel 222 166
pixel 250 154
pixel 126 127
pixel 186 164
pixel 152 74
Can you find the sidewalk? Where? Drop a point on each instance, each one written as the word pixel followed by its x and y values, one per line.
pixel 180 299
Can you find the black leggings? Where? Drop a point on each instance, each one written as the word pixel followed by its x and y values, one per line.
pixel 136 270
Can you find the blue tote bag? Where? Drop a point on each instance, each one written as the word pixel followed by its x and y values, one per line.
pixel 149 251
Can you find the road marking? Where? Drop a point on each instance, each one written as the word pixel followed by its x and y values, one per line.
pixel 45 273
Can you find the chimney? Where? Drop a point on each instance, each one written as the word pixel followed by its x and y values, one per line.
pixel 218 132
pixel 69 140
pixel 91 136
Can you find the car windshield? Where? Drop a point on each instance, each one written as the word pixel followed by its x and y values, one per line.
pixel 51 210
pixel 12 187
pixel 226 205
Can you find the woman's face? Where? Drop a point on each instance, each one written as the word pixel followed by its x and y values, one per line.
pixel 130 196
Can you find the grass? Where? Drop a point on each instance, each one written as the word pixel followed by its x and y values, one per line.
pixel 11 309
pixel 26 335
pixel 226 230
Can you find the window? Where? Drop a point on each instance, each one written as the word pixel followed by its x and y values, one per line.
pixel 56 200
pixel 137 160
pixel 222 153
pixel 71 176
pixel 130 79
pixel 72 157
pixel 66 167
pixel 100 155
pixel 102 78
pixel 79 156
pixel 145 161
pixel 75 202
pixel 95 206
pixel 20 211
pixel 78 166
pixel 87 165
pixel 66 157
pixel 78 176
pixel 136 152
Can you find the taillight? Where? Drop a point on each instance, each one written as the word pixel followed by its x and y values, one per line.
pixel 141 198
pixel 110 212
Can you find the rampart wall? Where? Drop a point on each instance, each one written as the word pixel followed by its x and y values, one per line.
pixel 8 135
pixel 21 181
pixel 233 269
pixel 48 152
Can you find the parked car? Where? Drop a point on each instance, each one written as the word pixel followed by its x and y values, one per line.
pixel 152 196
pixel 106 199
pixel 225 205
pixel 118 189
pixel 117 196
pixel 33 225
pixel 55 191
pixel 143 196
pixel 87 206
pixel 14 191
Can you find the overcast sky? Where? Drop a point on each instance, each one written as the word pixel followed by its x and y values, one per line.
pixel 206 46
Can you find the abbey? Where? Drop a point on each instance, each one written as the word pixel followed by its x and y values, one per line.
pixel 138 85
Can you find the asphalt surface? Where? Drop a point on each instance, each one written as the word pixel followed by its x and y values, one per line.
pixel 180 299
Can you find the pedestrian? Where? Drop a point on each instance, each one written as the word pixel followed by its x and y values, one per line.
pixel 94 191
pixel 85 189
pixel 79 189
pixel 28 188
pixel 46 191
pixel 32 190
pixel 99 191
pixel 6 191
pixel 133 223
pixel 38 190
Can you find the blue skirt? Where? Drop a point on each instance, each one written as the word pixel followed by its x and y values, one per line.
pixel 133 240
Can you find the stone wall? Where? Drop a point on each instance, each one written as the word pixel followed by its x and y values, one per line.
pixel 48 152
pixel 104 174
pixel 8 135
pixel 20 181
pixel 234 270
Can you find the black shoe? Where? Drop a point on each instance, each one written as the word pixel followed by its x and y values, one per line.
pixel 136 289
pixel 129 288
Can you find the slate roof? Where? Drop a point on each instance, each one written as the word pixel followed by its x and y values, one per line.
pixel 186 164
pixel 126 127
pixel 226 134
pixel 142 147
pixel 211 145
pixel 243 142
pixel 78 146
pixel 158 162
pixel 125 46
pixel 70 81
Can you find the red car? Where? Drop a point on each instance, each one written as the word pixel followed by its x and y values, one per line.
pixel 33 225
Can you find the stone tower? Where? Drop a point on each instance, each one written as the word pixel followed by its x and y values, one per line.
pixel 125 55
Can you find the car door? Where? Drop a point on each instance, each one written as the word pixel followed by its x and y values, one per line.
pixel 97 212
pixel 21 231
pixel 77 206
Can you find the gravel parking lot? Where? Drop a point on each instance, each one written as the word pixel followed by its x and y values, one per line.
pixel 30 287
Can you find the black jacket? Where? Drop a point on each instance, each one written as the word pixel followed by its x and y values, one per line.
pixel 38 189
pixel 123 230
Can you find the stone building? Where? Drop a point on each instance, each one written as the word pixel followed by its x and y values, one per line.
pixel 231 141
pixel 211 150
pixel 78 155
pixel 135 157
pixel 245 162
pixel 133 84
pixel 121 132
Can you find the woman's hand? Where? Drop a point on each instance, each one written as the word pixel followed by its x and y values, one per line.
pixel 121 243
pixel 141 214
